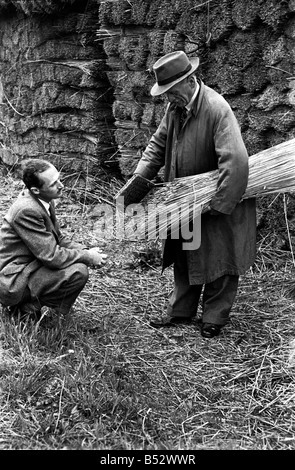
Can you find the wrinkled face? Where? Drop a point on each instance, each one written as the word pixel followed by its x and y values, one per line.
pixel 52 186
pixel 181 93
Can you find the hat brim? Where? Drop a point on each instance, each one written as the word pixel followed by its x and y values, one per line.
pixel 159 90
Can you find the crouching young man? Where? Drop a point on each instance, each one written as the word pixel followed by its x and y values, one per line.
pixel 38 265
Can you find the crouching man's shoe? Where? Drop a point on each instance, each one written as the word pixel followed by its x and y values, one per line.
pixel 9 310
pixel 170 321
pixel 209 330
pixel 23 311
pixel 30 310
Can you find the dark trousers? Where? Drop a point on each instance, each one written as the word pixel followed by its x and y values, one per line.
pixel 57 289
pixel 217 301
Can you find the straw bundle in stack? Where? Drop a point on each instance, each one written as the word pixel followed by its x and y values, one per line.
pixel 270 171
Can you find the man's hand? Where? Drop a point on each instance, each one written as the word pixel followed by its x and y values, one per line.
pixel 98 258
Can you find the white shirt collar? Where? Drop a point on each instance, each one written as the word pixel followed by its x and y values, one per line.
pixel 45 204
pixel 189 105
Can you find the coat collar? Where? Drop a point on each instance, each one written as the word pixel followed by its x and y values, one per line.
pixel 197 103
pixel 28 194
pixel 36 202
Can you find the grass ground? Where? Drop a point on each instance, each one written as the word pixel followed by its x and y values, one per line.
pixel 104 379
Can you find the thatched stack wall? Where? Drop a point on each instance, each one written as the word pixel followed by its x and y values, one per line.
pixel 56 97
pixel 75 76
pixel 246 51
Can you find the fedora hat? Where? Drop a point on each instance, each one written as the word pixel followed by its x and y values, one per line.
pixel 171 69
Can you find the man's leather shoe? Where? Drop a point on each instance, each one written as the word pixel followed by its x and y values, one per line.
pixel 24 311
pixel 30 310
pixel 209 330
pixel 170 321
pixel 9 310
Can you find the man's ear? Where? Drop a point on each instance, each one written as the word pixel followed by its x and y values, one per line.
pixel 35 190
pixel 192 82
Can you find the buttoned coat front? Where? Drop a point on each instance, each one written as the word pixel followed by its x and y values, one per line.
pixel 210 139
pixel 30 239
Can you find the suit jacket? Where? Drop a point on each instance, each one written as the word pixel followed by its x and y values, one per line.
pixel 29 239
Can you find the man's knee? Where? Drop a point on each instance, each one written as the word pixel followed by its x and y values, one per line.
pixel 80 273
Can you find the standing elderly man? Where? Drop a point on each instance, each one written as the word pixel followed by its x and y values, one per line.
pixel 207 138
pixel 38 265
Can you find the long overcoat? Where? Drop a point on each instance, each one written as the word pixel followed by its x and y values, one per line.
pixel 30 239
pixel 210 139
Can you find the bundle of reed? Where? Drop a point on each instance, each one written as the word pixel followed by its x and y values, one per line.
pixel 270 171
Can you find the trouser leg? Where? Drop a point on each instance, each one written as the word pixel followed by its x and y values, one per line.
pixel 184 299
pixel 59 288
pixel 218 299
pixel 27 304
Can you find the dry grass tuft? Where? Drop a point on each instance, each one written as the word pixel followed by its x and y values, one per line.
pixel 104 379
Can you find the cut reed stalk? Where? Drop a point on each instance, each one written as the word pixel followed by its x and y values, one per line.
pixel 270 171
